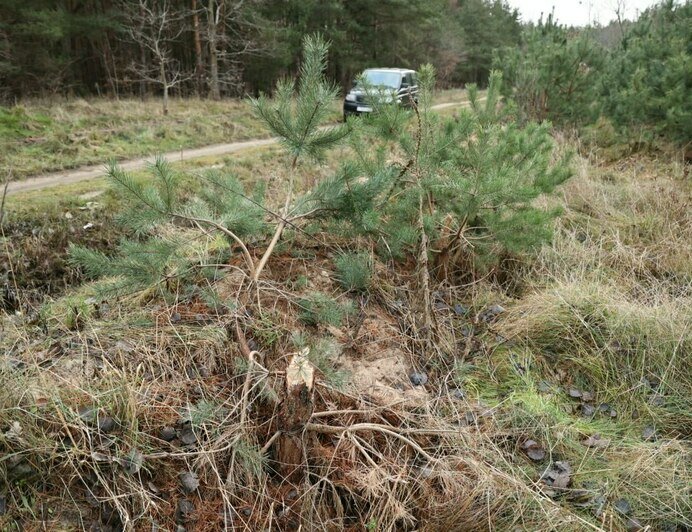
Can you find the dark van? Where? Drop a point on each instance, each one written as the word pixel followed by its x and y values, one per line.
pixel 388 85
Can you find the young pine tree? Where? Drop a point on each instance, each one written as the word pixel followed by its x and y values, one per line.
pixel 649 80
pixel 457 193
pixel 554 75
pixel 295 116
pixel 222 206
pixel 467 184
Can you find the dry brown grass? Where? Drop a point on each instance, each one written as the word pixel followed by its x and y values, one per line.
pixel 606 305
pixel 630 220
pixel 42 136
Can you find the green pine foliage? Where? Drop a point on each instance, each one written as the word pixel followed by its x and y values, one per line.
pixel 464 188
pixel 225 199
pixel 135 266
pixel 152 202
pixel 554 75
pixel 485 26
pixel 642 84
pixel 152 258
pixel 648 82
pixel 322 309
pixel 38 48
pixel 354 271
pixel 477 177
pixel 294 114
pixel 77 313
pixel 221 200
pixel 222 205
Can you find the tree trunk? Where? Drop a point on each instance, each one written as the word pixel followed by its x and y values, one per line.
pixel 295 411
pixel 199 65
pixel 108 61
pixel 142 62
pixel 164 83
pixel 214 75
pixel 213 21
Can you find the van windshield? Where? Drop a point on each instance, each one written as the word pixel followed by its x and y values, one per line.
pixel 382 78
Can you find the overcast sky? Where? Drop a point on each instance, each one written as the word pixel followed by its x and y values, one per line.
pixel 576 12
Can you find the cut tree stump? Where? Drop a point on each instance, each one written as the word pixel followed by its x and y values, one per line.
pixel 295 412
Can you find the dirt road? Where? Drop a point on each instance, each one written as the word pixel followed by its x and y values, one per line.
pixel 67 177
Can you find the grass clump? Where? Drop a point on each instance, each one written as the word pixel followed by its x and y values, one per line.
pixel 78 312
pixel 617 344
pixel 322 309
pixel 354 271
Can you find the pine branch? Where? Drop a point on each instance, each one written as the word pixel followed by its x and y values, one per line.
pixel 246 254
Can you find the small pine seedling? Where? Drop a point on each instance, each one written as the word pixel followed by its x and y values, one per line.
pixel 354 271
pixel 322 309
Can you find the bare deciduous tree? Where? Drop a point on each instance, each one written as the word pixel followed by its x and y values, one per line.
pixel 155 26
pixel 229 36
